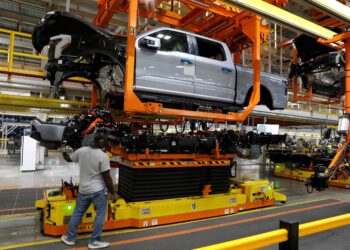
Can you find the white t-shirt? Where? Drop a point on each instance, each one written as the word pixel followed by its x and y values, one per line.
pixel 92 162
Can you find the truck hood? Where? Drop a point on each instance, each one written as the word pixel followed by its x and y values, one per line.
pixel 308 48
pixel 56 22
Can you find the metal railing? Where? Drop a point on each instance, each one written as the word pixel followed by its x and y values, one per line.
pixel 11 52
pixel 287 236
pixel 10 68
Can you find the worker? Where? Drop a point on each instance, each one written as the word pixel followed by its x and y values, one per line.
pixel 300 146
pixel 95 180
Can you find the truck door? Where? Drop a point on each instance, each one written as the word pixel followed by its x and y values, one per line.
pixel 168 70
pixel 215 72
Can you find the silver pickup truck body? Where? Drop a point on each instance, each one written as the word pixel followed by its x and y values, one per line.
pixel 180 68
pixel 172 66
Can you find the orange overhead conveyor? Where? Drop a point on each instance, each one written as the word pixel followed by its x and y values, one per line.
pixel 198 18
pixel 231 21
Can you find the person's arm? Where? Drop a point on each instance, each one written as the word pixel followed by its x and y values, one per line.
pixel 105 168
pixel 70 158
pixel 109 184
pixel 66 156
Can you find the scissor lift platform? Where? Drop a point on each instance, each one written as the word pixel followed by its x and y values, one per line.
pixel 57 208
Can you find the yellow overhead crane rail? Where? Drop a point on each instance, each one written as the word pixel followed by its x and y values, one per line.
pixel 281 16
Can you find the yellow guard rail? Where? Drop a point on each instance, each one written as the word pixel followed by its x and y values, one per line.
pixel 10 51
pixel 281 235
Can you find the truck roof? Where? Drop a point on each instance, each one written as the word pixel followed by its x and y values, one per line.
pixel 183 31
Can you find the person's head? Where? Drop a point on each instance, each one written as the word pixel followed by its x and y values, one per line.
pixel 100 140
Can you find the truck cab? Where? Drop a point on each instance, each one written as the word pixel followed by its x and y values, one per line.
pixel 172 62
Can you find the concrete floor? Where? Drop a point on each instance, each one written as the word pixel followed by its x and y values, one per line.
pixel 24 227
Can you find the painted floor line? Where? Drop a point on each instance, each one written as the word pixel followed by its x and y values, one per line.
pixel 12 216
pixel 16 209
pixel 30 186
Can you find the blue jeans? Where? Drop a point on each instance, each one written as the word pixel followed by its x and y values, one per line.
pixel 99 199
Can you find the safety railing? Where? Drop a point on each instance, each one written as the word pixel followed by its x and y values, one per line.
pixel 12 51
pixel 10 45
pixel 287 236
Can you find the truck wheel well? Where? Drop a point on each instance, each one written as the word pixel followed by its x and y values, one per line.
pixel 265 97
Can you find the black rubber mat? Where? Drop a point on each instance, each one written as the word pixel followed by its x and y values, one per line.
pixel 145 184
pixel 14 201
pixel 164 183
pixel 219 178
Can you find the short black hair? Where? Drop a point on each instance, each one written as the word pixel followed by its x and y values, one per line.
pixel 100 136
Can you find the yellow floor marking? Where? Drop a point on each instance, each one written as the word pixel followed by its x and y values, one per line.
pixel 10 216
pixel 27 244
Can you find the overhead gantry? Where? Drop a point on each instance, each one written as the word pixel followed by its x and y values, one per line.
pixel 230 21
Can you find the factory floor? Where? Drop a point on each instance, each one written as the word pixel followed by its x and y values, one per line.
pixel 20 225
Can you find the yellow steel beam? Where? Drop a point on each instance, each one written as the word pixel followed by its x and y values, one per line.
pixel 29 55
pixel 22 72
pixel 333 8
pixel 15 33
pixel 11 50
pixel 252 242
pixel 31 111
pixel 281 16
pixel 4 51
pixel 323 225
pixel 36 102
pixel 281 235
pixel 41 73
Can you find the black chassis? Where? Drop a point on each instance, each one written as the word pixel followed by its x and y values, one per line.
pixel 91 49
pixel 319 67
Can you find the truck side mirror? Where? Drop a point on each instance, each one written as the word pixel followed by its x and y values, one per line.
pixel 151 43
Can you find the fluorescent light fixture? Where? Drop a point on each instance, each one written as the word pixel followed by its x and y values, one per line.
pixel 160 36
pixel 167 37
pixel 281 16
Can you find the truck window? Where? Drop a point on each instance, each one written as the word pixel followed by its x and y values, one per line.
pixel 210 49
pixel 172 41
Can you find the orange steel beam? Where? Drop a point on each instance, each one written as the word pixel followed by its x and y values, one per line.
pixel 94 96
pixel 296 97
pixel 216 7
pixel 217 10
pixel 132 104
pixel 190 17
pixel 338 155
pixel 347 76
pixel 106 10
